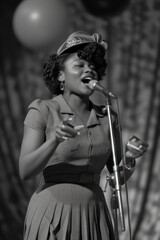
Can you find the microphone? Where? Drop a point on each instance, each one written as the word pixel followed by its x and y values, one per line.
pixel 94 85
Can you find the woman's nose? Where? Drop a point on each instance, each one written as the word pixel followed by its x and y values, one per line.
pixel 87 68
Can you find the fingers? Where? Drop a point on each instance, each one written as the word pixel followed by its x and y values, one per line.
pixel 68 127
pixel 78 127
pixel 137 143
pixel 67 122
pixel 135 147
pixel 132 154
pixel 61 136
pixel 67 130
pixel 71 131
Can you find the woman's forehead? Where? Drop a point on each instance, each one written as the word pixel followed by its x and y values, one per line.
pixel 73 57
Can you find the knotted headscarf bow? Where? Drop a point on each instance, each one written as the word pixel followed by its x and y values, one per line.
pixel 78 38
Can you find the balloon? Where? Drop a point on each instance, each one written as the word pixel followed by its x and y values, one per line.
pixel 40 24
pixel 105 8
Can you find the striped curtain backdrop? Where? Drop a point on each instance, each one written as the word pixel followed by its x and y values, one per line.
pixel 133 73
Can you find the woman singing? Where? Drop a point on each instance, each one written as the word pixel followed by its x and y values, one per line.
pixel 67 140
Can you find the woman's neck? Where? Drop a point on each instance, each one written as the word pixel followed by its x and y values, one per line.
pixel 77 103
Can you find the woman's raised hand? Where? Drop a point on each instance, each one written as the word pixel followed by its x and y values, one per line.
pixel 66 130
pixel 135 147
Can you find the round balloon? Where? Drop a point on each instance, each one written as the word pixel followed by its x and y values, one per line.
pixel 105 8
pixel 40 24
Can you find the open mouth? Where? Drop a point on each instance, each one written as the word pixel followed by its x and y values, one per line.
pixel 86 80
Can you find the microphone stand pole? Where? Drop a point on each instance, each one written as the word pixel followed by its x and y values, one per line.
pixel 117 197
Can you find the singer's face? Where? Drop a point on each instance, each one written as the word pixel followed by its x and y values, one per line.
pixel 76 74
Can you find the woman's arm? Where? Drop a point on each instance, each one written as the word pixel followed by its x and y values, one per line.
pixel 134 149
pixel 35 152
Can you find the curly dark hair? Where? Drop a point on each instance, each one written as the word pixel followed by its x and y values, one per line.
pixel 91 52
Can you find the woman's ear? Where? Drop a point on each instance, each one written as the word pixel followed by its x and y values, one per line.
pixel 61 76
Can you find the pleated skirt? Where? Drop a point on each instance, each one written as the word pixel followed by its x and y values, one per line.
pixel 67 211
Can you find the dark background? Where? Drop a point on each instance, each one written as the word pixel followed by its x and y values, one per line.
pixel 132 30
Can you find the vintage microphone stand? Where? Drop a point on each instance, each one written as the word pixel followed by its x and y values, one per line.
pixel 114 179
pixel 116 199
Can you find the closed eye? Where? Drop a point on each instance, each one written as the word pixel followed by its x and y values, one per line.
pixel 92 67
pixel 79 65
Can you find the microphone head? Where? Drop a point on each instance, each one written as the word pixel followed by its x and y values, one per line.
pixel 92 84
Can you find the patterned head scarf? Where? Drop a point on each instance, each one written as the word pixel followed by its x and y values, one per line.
pixel 79 38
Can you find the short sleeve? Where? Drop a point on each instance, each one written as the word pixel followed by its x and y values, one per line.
pixel 36 115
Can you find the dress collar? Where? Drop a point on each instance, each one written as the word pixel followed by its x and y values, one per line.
pixel 96 111
pixel 65 108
